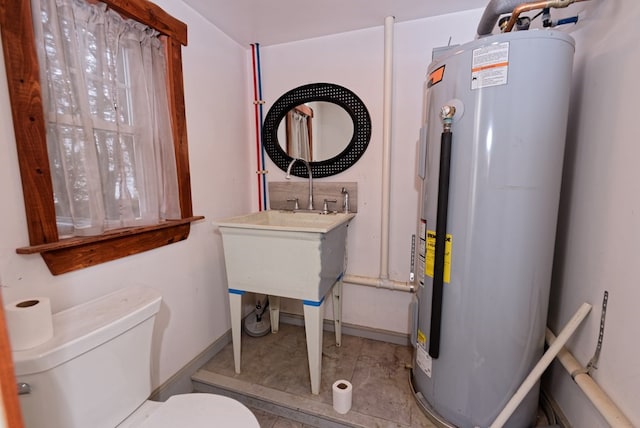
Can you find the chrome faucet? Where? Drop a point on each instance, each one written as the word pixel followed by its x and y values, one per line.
pixel 288 177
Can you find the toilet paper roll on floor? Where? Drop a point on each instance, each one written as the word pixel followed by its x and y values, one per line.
pixel 29 322
pixel 342 390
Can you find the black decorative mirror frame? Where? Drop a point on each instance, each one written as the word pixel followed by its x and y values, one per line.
pixel 328 92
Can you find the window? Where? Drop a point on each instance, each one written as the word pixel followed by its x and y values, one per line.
pixel 67 254
pixel 103 81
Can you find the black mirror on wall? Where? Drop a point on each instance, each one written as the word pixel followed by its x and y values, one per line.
pixel 324 123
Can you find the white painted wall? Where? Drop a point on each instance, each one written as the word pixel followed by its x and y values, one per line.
pixel 190 274
pixel 355 60
pixel 599 228
pixel 598 240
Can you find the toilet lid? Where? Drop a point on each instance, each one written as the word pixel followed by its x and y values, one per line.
pixel 199 410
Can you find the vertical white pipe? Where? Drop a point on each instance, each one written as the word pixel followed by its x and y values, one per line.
pixel 386 146
pixel 542 365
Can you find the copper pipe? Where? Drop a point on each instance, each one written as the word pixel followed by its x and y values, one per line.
pixel 526 7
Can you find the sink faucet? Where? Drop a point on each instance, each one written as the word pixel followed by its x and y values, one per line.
pixel 288 177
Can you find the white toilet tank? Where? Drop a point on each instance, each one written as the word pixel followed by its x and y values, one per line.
pixel 95 371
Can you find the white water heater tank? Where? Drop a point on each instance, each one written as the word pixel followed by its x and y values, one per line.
pixel 511 97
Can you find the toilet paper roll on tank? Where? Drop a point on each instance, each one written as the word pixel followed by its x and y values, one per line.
pixel 29 322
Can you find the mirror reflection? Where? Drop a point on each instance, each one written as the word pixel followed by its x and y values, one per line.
pixel 315 131
pixel 332 130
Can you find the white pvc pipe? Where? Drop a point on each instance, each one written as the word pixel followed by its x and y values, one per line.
pixel 386 146
pixel 383 280
pixel 388 284
pixel 542 365
pixel 607 408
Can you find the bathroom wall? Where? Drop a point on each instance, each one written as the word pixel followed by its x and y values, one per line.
pixel 355 60
pixel 190 274
pixel 598 238
pixel 599 227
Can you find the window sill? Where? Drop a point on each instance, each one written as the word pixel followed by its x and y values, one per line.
pixel 76 253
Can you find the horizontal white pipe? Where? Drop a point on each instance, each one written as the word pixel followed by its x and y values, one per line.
pixel 542 365
pixel 607 408
pixel 385 283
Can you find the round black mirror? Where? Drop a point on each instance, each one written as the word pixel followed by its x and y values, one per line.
pixel 301 111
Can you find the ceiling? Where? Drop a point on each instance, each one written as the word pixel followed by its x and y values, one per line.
pixel 271 22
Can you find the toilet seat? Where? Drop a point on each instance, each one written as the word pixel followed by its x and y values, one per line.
pixel 200 410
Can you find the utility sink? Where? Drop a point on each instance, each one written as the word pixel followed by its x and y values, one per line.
pixel 294 254
pixel 297 254
pixel 298 220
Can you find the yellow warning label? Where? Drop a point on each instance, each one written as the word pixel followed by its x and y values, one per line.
pixel 431 255
pixel 422 339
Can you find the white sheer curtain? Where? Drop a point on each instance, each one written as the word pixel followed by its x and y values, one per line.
pixel 108 124
pixel 300 136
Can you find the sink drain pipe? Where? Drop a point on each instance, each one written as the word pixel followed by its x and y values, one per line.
pixel 383 280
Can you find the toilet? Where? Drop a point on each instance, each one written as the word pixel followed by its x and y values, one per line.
pixel 96 372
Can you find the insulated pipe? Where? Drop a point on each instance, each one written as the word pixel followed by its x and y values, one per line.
pixel 386 146
pixel 542 365
pixel 444 174
pixel 607 408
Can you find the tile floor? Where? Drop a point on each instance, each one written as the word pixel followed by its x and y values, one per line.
pixel 275 384
pixel 275 371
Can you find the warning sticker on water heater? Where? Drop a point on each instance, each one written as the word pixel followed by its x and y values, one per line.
pixel 430 259
pixel 490 65
pixel 422 356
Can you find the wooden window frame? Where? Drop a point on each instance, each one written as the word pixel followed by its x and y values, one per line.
pixel 66 255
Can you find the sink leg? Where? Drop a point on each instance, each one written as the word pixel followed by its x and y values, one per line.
pixel 337 311
pixel 274 313
pixel 313 316
pixel 235 307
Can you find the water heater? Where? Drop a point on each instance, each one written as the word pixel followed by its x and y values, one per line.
pixel 491 154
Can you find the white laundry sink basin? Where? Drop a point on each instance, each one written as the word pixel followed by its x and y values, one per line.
pixel 284 253
pixel 299 255
pixel 301 221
